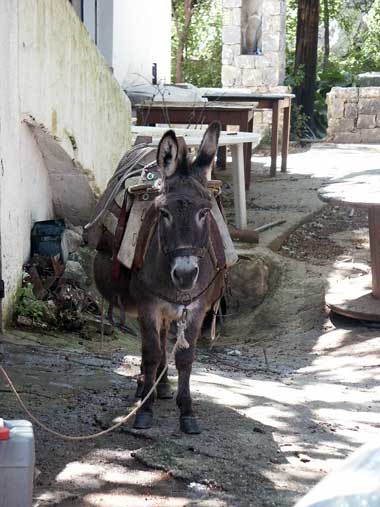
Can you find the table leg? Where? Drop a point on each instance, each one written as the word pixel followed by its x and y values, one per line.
pixel 274 150
pixel 239 186
pixel 248 157
pixel 221 159
pixel 374 243
pixel 285 138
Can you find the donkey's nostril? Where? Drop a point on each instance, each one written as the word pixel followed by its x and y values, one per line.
pixel 176 275
pixel 185 278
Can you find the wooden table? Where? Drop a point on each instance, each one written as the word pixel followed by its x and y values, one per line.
pixel 276 102
pixel 236 141
pixel 201 113
pixel 359 297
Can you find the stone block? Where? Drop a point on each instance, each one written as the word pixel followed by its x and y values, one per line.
pixel 231 76
pixel 366 121
pixel 345 137
pixel 335 108
pixel 272 24
pixel 230 54
pixel 247 61
pixel 252 77
pixel 369 79
pixel 370 136
pixel 369 106
pixel 231 34
pixel 271 76
pixel 271 42
pixel 262 62
pixel 231 3
pixel 370 92
pixel 344 124
pixel 347 94
pixel 272 7
pixel 232 17
pixel 351 110
pixel 280 89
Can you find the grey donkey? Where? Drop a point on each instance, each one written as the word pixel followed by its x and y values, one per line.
pixel 178 280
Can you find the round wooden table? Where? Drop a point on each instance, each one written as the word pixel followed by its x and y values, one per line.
pixel 358 297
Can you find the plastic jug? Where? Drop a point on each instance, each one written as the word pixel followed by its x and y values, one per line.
pixel 17 459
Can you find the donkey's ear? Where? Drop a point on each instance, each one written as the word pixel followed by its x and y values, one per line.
pixel 207 150
pixel 167 154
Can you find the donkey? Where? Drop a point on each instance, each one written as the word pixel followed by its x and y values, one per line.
pixel 178 281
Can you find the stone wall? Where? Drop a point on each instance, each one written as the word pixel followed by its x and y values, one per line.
pixel 265 70
pixel 354 115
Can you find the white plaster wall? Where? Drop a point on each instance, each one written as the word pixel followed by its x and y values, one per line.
pixel 142 36
pixel 69 88
pixel 25 194
pixel 52 72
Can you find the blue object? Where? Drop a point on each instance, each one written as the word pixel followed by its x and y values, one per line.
pixel 47 237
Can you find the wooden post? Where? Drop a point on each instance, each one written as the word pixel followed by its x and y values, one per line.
pixel 374 243
pixel 286 137
pixel 274 150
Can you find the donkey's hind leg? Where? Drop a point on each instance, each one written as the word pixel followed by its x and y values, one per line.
pixel 164 390
pixel 140 382
pixel 151 356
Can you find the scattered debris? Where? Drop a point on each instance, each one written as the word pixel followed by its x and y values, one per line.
pixel 57 291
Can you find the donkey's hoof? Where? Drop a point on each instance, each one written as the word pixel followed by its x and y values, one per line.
pixel 143 421
pixel 139 391
pixel 189 425
pixel 164 391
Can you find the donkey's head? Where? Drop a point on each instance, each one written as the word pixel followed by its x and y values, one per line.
pixel 184 206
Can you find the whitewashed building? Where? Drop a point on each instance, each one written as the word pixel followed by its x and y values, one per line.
pixel 64 118
pixel 133 36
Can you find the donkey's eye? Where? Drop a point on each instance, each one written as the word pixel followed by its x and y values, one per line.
pixel 165 214
pixel 202 214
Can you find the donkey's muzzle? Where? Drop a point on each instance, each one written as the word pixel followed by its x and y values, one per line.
pixel 185 272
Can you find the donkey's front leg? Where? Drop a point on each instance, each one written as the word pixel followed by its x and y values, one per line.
pixel 151 356
pixel 164 390
pixel 184 361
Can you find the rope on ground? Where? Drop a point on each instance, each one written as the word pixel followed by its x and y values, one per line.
pixel 92 436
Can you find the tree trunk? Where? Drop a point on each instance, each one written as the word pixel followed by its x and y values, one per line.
pixel 182 33
pixel 307 54
pixel 326 22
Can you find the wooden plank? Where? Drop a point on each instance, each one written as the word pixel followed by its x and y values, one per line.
pixel 274 146
pixel 374 242
pixel 353 298
pixel 285 138
pixel 360 189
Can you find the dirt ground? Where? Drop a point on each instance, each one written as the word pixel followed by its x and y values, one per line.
pixel 285 393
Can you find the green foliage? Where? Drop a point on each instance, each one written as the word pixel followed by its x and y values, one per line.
pixel 28 305
pixel 363 55
pixel 203 50
pixel 371 45
pixel 299 119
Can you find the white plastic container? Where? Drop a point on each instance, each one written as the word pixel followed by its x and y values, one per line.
pixel 17 459
pixel 354 483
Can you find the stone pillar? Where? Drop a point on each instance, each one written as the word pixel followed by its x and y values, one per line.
pixel 254 44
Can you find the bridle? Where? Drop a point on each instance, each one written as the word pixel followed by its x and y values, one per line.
pixel 185 252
